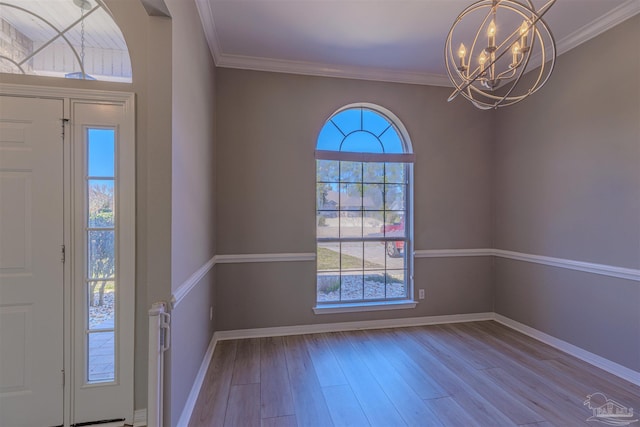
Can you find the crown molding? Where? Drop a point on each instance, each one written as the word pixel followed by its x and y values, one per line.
pixel 325 70
pixel 616 16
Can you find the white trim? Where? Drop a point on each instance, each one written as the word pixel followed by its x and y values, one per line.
pixel 128 98
pixel 350 326
pixel 140 418
pixel 328 70
pixel 284 257
pixel 447 253
pixel 364 306
pixel 598 26
pixel 191 282
pixel 187 410
pixel 593 359
pixel 588 267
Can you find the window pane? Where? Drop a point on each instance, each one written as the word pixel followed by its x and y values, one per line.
pixel 328 286
pixel 361 142
pixel 396 285
pixel 395 173
pixel 352 286
pixel 372 224
pixel 101 204
pixel 373 172
pixel 327 224
pixel 395 197
pixel 101 152
pixel 351 172
pixel 373 197
pixel 394 224
pixel 374 122
pixel 348 120
pixel 102 310
pixel 101 258
pixel 330 138
pixel 328 256
pixel 351 256
pixel 351 197
pixel 101 351
pixel 327 171
pixel 327 196
pixel 350 224
pixel 391 141
pixel 396 254
pixel 374 285
pixel 374 255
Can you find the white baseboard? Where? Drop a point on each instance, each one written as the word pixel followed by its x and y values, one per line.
pixel 140 418
pixel 350 326
pixel 187 411
pixel 593 359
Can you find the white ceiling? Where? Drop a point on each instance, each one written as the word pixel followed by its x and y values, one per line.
pixel 389 40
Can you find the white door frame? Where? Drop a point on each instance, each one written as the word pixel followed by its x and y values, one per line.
pixel 126 157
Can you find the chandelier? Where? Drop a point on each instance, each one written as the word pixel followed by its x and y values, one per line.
pixel 511 39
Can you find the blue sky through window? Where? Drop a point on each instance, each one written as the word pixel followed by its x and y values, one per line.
pixel 101 152
pixel 360 130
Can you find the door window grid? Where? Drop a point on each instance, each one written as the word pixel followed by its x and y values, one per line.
pixel 100 283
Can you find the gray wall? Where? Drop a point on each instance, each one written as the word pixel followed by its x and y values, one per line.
pixel 566 185
pixel 267 125
pixel 193 199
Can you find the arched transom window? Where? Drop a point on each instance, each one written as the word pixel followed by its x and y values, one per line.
pixel 363 199
pixel 75 39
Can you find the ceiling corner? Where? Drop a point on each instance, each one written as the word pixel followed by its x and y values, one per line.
pixel 209 28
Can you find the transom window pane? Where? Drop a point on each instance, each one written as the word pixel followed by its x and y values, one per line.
pixel 62 38
pixel 362 211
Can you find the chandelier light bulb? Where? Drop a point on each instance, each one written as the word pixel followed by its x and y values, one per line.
pixel 524 32
pixel 491 33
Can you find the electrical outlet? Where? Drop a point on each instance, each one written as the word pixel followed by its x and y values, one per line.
pixel 421 294
pixel 211 313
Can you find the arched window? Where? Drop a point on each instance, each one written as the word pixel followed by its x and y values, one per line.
pixel 363 198
pixel 75 39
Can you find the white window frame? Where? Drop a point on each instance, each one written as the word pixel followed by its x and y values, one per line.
pixel 408 158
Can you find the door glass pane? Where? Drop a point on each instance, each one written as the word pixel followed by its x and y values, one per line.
pixel 102 309
pixel 101 152
pixel 101 350
pixel 101 263
pixel 101 203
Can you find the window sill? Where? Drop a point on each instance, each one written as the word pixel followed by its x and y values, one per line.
pixel 364 306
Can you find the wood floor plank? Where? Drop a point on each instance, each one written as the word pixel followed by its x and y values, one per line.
pixel 243 409
pixel 373 400
pixel 247 365
pixel 324 362
pixel 286 421
pixel 568 383
pixel 419 379
pixel 450 413
pixel 475 374
pixel 308 400
pixel 550 408
pixel 275 390
pixel 343 406
pixel 451 352
pixel 211 406
pixel 473 401
pixel 410 406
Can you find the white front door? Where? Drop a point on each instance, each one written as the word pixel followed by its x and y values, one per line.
pixel 31 267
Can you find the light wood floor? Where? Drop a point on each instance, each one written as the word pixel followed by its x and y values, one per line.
pixel 466 374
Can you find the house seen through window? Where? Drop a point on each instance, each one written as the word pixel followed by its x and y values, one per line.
pixel 363 222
